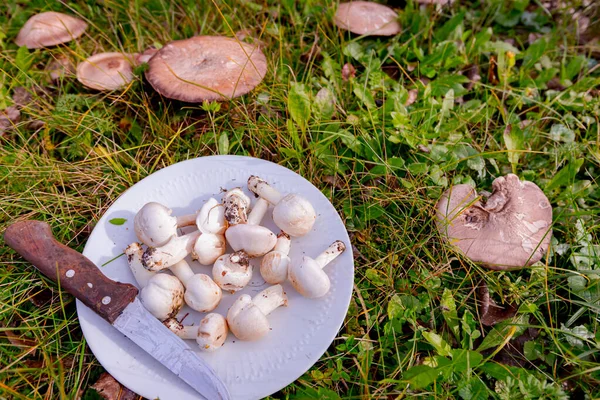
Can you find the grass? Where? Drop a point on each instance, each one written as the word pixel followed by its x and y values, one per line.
pixel 413 328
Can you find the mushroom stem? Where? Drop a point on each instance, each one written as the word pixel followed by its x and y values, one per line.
pixel 187 332
pixel 270 299
pixel 176 249
pixel 264 190
pixel 283 243
pixel 258 212
pixel 330 253
pixel 186 220
pixel 182 271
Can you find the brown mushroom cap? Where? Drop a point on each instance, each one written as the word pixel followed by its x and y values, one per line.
pixel 49 29
pixel 206 68
pixel 509 231
pixel 106 71
pixel 367 18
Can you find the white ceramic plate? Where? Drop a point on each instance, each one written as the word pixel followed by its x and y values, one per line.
pixel 300 334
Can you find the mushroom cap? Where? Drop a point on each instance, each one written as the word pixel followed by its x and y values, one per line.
pixel 212 332
pixel 294 215
pixel 236 205
pixel 49 29
pixel 202 293
pixel 208 248
pixel 274 267
pixel 145 56
pixel 106 71
pixel 206 68
pixel 154 226
pixel 211 218
pixel 232 272
pixel 367 18
pixel 510 230
pixel 246 321
pixel 255 240
pixel 162 296
pixel 308 278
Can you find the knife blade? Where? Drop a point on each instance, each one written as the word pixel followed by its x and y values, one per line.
pixel 116 302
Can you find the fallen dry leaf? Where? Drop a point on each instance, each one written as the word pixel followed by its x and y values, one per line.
pixel 412 97
pixel 110 389
pixel 491 313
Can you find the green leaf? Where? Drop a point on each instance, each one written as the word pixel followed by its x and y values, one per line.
pixel 513 327
pixel 400 305
pixel 299 105
pixel 443 33
pixel 23 59
pixel 449 313
pixel 534 53
pixel 472 389
pixel 223 143
pixel 364 95
pixel 324 104
pixel 465 360
pixel 566 175
pixel 375 277
pixel 441 346
pixel 420 376
pixel 117 221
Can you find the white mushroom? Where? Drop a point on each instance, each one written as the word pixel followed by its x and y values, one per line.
pixel 293 214
pixel 175 250
pixel 236 206
pixel 201 292
pixel 210 334
pixel 232 272
pixel 211 218
pixel 247 317
pixel 154 225
pixel 274 265
pixel 134 258
pixel 162 296
pixel 211 222
pixel 308 277
pixel 250 237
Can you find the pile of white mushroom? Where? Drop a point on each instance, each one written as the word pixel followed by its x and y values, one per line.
pixel 232 222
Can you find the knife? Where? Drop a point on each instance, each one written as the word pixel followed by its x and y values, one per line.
pixel 116 302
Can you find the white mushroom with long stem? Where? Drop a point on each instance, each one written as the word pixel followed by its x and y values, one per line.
pixel 201 292
pixel 308 277
pixel 232 272
pixel 250 237
pixel 247 317
pixel 274 265
pixel 155 226
pixel 134 254
pixel 293 214
pixel 162 296
pixel 175 250
pixel 210 334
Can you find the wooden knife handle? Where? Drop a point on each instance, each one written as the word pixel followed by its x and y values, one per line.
pixel 75 273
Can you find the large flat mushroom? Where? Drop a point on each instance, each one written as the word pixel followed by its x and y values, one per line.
pixel 49 29
pixel 508 230
pixel 106 71
pixel 206 68
pixel 367 18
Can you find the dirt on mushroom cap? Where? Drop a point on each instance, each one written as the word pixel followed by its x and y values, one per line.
pixel 510 230
pixel 367 18
pixel 106 71
pixel 206 68
pixel 49 29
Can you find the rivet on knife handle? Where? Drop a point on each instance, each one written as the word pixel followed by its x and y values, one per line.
pixel 33 240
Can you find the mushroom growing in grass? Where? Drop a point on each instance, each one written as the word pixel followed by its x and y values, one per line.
pixel 308 277
pixel 274 265
pixel 210 334
pixel 162 296
pixel 247 317
pixel 106 71
pixel 250 237
pixel 206 68
pixel 49 29
pixel 155 226
pixel 367 18
pixel 134 258
pixel 201 292
pixel 175 250
pixel 293 214
pixel 508 229
pixel 232 272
